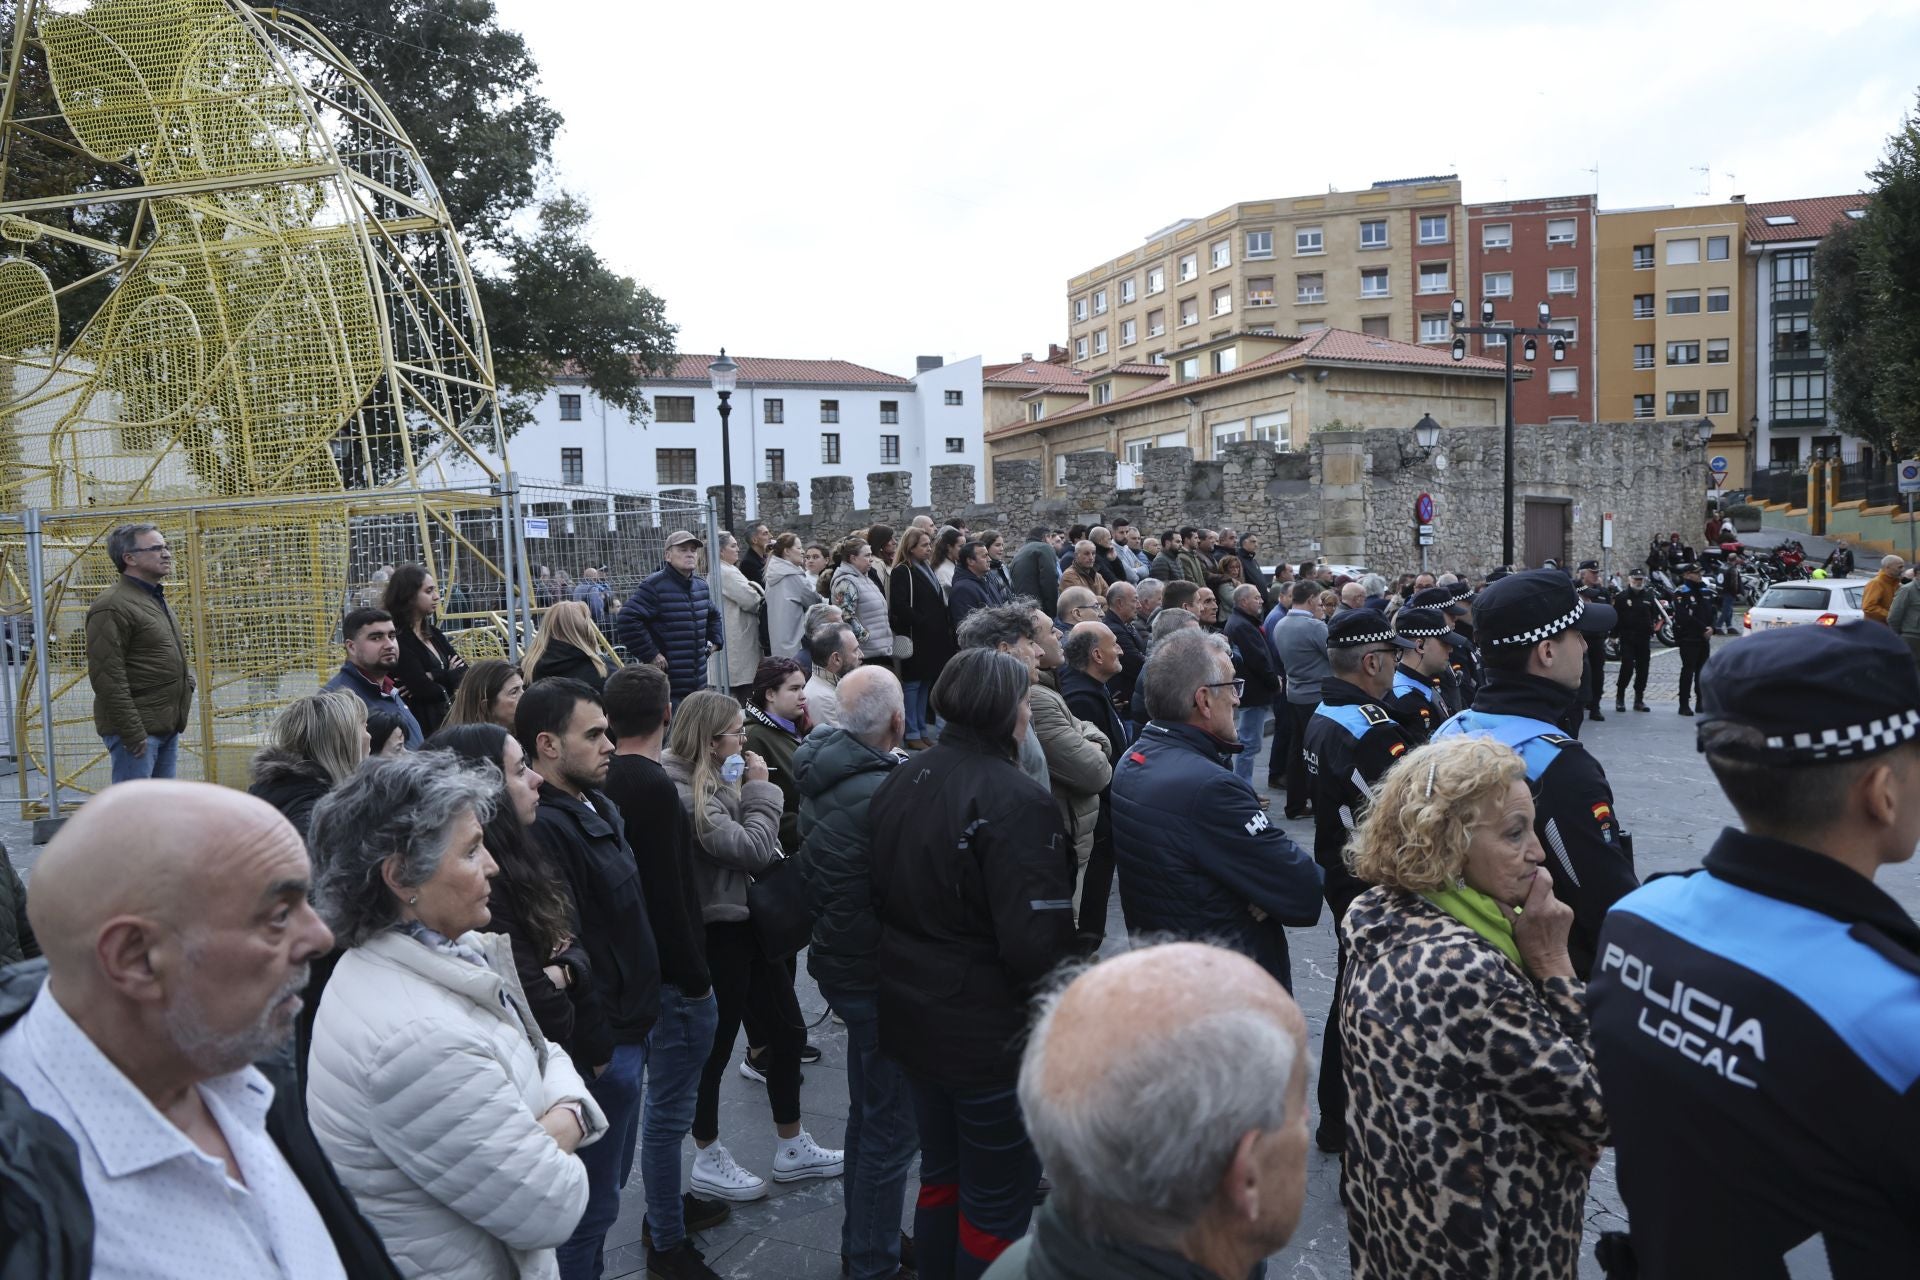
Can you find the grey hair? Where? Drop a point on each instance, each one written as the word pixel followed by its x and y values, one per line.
pixel 1118 592
pixel 995 625
pixel 1075 598
pixel 1081 642
pixel 869 698
pixel 827 641
pixel 1167 622
pixel 1179 666
pixel 392 809
pixel 120 543
pixel 817 615
pixel 1136 1151
pixel 1374 585
pixel 1150 588
pixel 980 690
pixel 1245 591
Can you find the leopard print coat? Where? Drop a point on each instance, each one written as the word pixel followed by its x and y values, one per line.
pixel 1471 1091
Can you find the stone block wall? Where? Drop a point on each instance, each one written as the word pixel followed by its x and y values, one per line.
pixel 716 494
pixel 1089 486
pixel 952 488
pixel 1167 473
pixel 832 501
pixel 778 504
pixel 889 496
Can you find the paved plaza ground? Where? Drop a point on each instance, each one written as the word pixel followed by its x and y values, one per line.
pixel 1664 795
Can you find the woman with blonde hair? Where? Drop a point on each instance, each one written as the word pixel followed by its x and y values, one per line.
pixel 311 748
pixel 744 602
pixel 489 694
pixel 567 645
pixel 1480 1130
pixel 734 811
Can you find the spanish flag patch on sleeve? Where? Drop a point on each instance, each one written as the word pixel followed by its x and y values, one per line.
pixel 1602 812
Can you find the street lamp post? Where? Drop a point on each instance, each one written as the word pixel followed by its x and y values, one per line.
pixel 1487 326
pixel 724 375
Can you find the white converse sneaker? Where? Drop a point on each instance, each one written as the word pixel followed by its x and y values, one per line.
pixel 715 1173
pixel 801 1157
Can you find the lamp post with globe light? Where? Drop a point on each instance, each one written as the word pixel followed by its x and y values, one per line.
pixel 1486 326
pixel 724 374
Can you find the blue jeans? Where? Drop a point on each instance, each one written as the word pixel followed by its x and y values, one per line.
pixel 157 761
pixel 978 1173
pixel 677 1049
pixel 1725 620
pixel 914 694
pixel 882 1137
pixel 1251 724
pixel 609 1162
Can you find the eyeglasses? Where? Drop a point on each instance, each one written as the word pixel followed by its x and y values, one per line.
pixel 737 733
pixel 158 546
pixel 1239 686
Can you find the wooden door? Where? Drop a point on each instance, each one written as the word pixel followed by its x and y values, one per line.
pixel 1546 533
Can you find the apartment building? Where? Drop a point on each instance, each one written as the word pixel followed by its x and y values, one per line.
pixel 1670 299
pixel 1523 253
pixel 1385 261
pixel 1788 366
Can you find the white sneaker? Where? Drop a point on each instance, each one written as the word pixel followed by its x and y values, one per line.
pixel 801 1157
pixel 717 1174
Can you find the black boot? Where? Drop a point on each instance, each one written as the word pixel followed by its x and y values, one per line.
pixel 1620 703
pixel 1685 710
pixel 1593 713
pixel 1640 703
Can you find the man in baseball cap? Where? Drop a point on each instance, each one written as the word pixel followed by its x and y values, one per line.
pixel 670 619
pixel 1757 1024
pixel 1533 630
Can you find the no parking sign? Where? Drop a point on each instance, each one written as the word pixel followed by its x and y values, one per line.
pixel 1910 476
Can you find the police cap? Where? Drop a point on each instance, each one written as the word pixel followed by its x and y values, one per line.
pixel 1417 622
pixel 1356 627
pixel 1814 693
pixel 1590 564
pixel 1536 605
pixel 1431 598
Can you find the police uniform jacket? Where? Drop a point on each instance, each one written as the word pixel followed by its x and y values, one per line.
pixel 1462 678
pixel 1417 704
pixel 1694 609
pixel 1639 615
pixel 1757 1025
pixel 1572 807
pixel 1351 741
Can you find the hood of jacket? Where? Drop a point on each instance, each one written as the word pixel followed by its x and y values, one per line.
pixel 830 756
pixel 275 768
pixel 780 568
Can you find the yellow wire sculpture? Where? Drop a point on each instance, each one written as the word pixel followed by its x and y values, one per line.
pixel 291 342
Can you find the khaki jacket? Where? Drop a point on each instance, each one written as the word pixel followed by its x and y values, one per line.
pixel 137 664
pixel 1077 764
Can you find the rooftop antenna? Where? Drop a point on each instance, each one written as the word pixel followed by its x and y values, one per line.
pixel 1595 171
pixel 1706 179
pixel 1733 181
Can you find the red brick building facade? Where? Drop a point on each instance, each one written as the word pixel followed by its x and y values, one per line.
pixel 1521 253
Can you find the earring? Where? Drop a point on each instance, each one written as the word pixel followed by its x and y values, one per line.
pixel 414 899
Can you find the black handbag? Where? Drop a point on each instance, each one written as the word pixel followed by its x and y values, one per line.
pixel 777 909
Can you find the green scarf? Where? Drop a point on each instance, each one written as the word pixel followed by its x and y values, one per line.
pixel 1481 914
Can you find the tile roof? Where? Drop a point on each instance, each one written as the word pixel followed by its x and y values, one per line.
pixel 1811 217
pixel 1032 373
pixel 1150 370
pixel 693 368
pixel 1058 389
pixel 1343 346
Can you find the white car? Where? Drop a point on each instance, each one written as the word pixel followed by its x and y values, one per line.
pixel 1823 602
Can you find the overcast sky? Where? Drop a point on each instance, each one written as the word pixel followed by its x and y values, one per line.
pixel 874 182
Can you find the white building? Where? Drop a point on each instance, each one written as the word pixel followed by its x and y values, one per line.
pixel 791 420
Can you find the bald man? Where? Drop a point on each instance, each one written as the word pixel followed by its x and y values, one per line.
pixel 1210 1179
pixel 176 953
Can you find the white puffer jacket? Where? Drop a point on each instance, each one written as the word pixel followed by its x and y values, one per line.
pixel 425 1093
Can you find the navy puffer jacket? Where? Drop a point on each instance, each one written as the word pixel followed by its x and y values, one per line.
pixel 671 613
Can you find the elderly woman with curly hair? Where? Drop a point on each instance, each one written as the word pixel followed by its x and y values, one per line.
pixel 1471 1089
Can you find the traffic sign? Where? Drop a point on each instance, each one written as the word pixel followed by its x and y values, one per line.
pixel 1426 535
pixel 1717 464
pixel 1606 530
pixel 1910 476
pixel 536 526
pixel 1423 509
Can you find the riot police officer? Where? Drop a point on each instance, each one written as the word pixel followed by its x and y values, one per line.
pixel 1351 740
pixel 1533 629
pixel 1416 699
pixel 1694 607
pixel 1639 611
pixel 1757 1023
pixel 1594 591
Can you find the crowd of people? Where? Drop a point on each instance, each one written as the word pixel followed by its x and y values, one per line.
pixel 484 935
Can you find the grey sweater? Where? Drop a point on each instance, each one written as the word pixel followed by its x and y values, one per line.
pixel 1302 642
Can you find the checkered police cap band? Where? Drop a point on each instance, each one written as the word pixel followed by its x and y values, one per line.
pixel 1854 740
pixel 1415 632
pixel 1546 632
pixel 1351 641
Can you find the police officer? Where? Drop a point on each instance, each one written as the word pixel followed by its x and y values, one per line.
pixel 1416 700
pixel 1351 740
pixel 1533 629
pixel 1694 607
pixel 1594 591
pixel 1639 611
pixel 1757 1023
pixel 1460 679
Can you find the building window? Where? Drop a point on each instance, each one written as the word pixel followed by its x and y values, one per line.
pixel 830 448
pixel 1799 397
pixel 1643 406
pixel 1433 329
pixel 1717 249
pixel 569 407
pixel 1308 240
pixel 1496 284
pixel 1309 288
pixel 1189 311
pixel 1375 326
pixel 1719 299
pixel 1496 235
pixel 1716 350
pixel 956 444
pixel 1682 253
pixel 1079 309
pixel 1683 353
pixel 1643 306
pixel 1373 282
pixel 1157 280
pixel 1563 279
pixel 1259 291
pixel 1260 244
pixel 1793 276
pixel 776 465
pixel 1079 348
pixel 1311 326
pixel 1716 402
pixel 1643 355
pixel 1683 404
pixel 1102 392
pixel 673 408
pixel 1226 433
pixel 1156 322
pixel 774 411
pixel 1156 357
pixel 956 397
pixel 1643 257
pixel 1188 368
pixel 1036 411
pixel 573 466
pixel 1562 230
pixel 1221 254
pixel 1373 234
pixel 889 451
pixel 829 411
pixel 1433 228
pixel 1099 342
pixel 1793 337
pixel 1683 302
pixel 1189 266
pixel 1100 302
pixel 1223 300
pixel 1127 335
pixel 1433 277
pixel 1563 382
pixel 1126 290
pixel 1274 428
pixel 1226 360
pixel 675 466
pixel 1567 325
